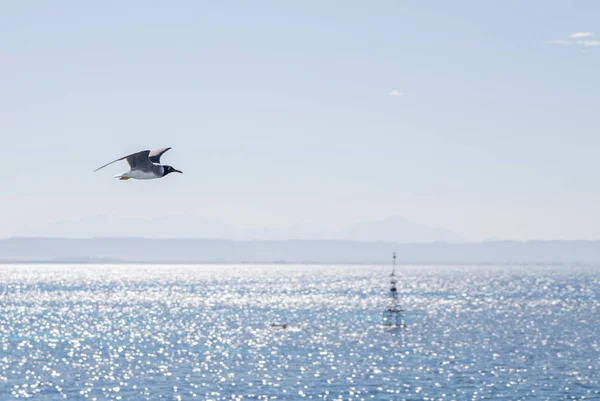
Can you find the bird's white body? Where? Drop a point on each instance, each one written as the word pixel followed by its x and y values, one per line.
pixel 140 175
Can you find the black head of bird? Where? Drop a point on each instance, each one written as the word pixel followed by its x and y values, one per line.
pixel 169 170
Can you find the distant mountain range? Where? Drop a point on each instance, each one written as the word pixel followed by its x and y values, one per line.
pixel 129 250
pixel 392 229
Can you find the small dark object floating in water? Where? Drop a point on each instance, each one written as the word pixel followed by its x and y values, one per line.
pixel 279 326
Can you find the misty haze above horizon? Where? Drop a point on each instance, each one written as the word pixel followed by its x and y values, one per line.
pixel 392 229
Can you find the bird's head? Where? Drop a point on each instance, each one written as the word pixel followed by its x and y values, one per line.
pixel 169 170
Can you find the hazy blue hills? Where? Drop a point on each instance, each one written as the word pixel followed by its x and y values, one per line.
pixel 291 251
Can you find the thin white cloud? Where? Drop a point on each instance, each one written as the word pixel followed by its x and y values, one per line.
pixel 576 39
pixel 578 35
pixel 395 93
pixel 588 42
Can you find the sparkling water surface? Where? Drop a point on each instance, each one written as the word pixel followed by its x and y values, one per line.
pixel 178 332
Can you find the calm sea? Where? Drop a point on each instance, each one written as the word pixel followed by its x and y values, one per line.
pixel 138 332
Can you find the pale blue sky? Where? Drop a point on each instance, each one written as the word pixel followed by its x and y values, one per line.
pixel 279 113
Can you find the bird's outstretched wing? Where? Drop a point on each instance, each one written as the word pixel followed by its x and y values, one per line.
pixel 156 154
pixel 137 160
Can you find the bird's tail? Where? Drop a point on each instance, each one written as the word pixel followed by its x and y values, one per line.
pixel 121 177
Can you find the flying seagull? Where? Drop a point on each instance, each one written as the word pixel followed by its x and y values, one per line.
pixel 144 165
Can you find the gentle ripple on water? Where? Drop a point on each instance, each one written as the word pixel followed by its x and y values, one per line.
pixel 138 332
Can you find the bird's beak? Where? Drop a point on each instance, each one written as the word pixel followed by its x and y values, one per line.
pixel 177 171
